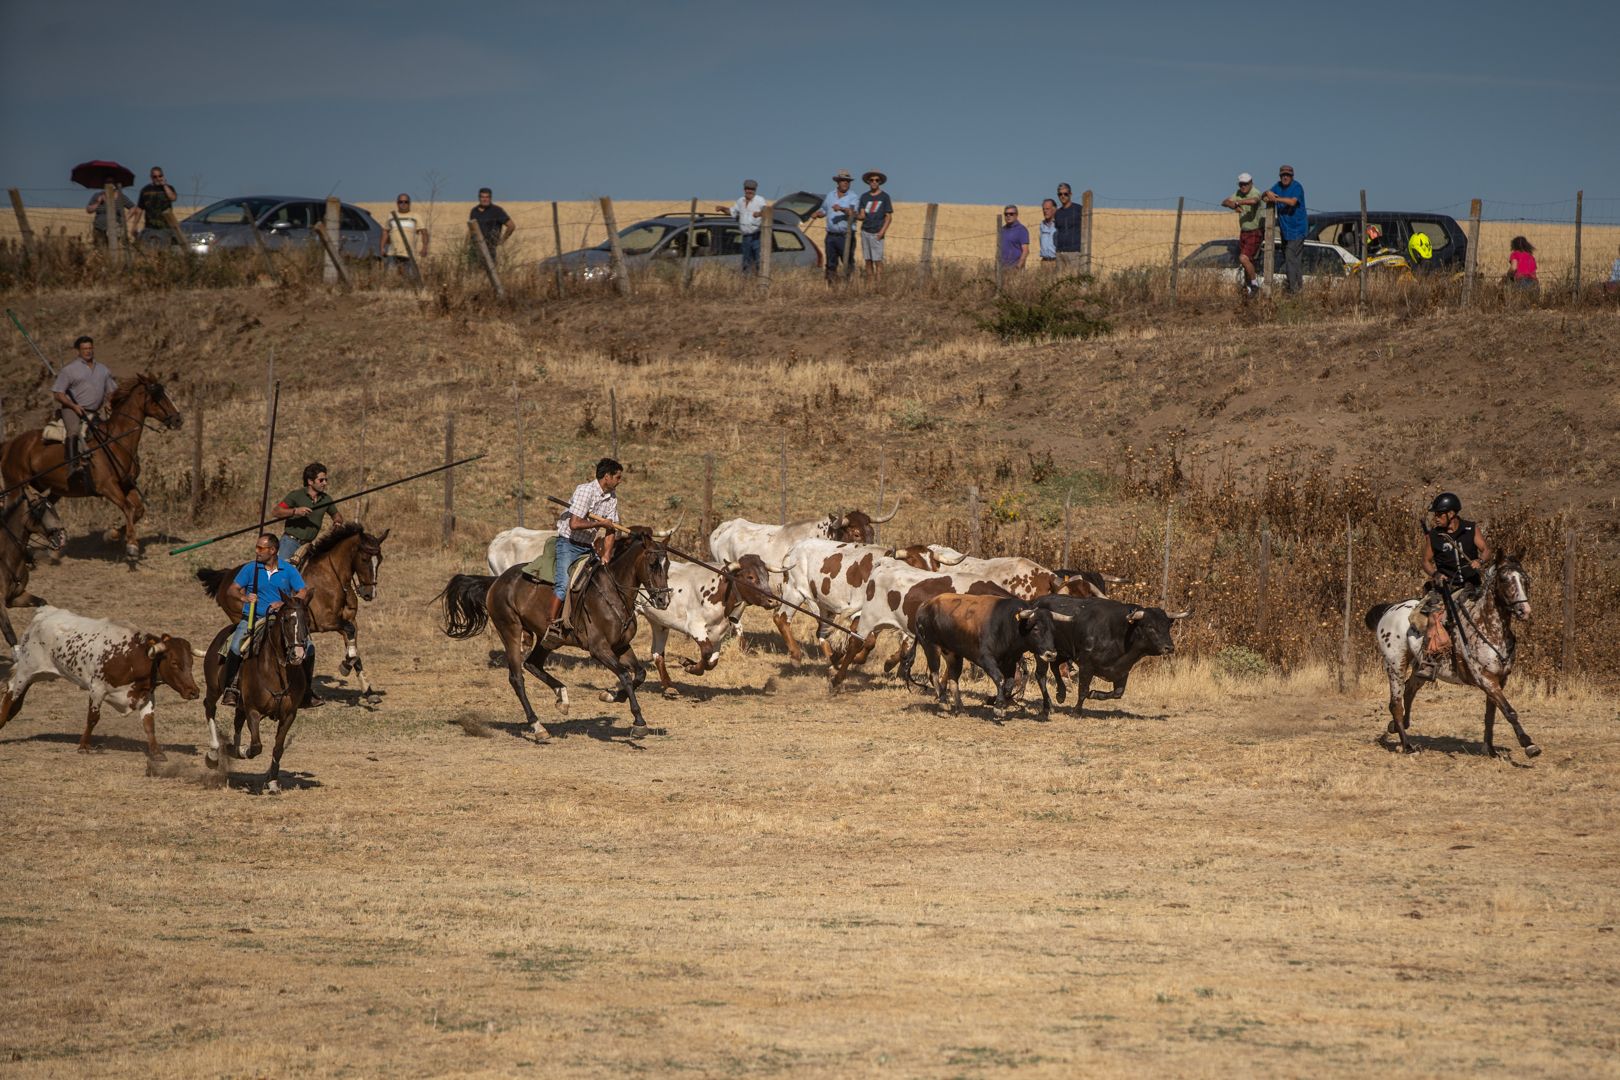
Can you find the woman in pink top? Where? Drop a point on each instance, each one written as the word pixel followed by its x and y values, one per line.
pixel 1521 264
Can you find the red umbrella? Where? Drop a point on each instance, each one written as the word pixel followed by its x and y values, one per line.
pixel 98 174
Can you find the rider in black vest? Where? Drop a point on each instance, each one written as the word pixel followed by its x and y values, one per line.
pixel 1452 553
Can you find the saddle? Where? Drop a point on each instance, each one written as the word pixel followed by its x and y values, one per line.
pixel 542 567
pixel 543 571
pixel 254 641
pixel 54 431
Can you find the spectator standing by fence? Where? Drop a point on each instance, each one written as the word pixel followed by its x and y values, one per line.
pixel 1612 286
pixel 1048 228
pixel 1521 272
pixel 748 211
pixel 151 207
pixel 1068 222
pixel 1251 229
pixel 1013 246
pixel 404 235
pixel 877 211
pixel 98 207
pixel 839 209
pixel 495 224
pixel 1288 196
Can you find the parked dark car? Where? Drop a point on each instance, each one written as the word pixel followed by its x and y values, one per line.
pixel 1445 235
pixel 715 239
pixel 282 220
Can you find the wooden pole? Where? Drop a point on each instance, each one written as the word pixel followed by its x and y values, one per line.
pixel 691 242
pixel 264 251
pixel 556 236
pixel 1472 261
pixel 613 418
pixel 23 227
pixel 995 250
pixel 1269 253
pixel 410 252
pixel 196 459
pixel 115 261
pixel 925 267
pixel 1579 196
pixel 449 519
pixel 766 242
pixel 1349 588
pixel 975 543
pixel 365 398
pixel 1068 524
pixel 1361 248
pixel 783 470
pixel 1169 528
pixel 1175 249
pixel 334 262
pixel 708 502
pixel 1263 585
pixel 173 223
pixel 1566 651
pixel 1085 232
pixel 621 273
pixel 2 420
pixel 269 387
pixel 487 259
pixel 883 462
pixel 522 492
pixel 333 237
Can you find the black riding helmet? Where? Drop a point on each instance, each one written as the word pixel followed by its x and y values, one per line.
pixel 1445 501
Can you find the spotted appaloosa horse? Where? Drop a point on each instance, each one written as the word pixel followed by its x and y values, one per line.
pixel 1485 662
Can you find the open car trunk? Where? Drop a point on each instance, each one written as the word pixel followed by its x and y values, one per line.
pixel 796 207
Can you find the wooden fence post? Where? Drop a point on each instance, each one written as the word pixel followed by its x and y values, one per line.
pixel 1361 249
pixel 1175 249
pixel 365 398
pixel 264 252
pixel 708 502
pixel 1566 652
pixel 487 259
pixel 613 418
pixel 449 519
pixel 925 267
pixel 621 273
pixel 1068 522
pixel 522 490
pixel 766 242
pixel 883 462
pixel 784 480
pixel 196 460
pixel 1263 585
pixel 269 388
pixel 556 236
pixel 1579 195
pixel 1472 261
pixel 975 541
pixel 1169 526
pixel 1269 255
pixel 333 238
pixel 1349 588
pixel 410 252
pixel 22 221
pixel 2 420
pixel 115 232
pixel 1085 232
pixel 691 242
pixel 995 250
pixel 333 259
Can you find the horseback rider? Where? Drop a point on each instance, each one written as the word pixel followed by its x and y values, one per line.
pixel 594 498
pixel 303 511
pixel 269 580
pixel 81 388
pixel 1453 550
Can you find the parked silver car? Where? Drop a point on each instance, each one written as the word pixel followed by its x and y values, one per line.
pixel 715 238
pixel 282 220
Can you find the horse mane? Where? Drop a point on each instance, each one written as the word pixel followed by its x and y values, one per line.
pixel 324 544
pixel 121 394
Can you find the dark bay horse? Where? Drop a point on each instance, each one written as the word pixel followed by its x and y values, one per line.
pixel 341 570
pixel 114 456
pixel 604 618
pixel 272 685
pixel 1484 662
pixel 23 515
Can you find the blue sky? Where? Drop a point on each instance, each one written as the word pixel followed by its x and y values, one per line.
pixel 1425 105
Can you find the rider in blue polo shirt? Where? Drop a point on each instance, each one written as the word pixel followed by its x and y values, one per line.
pixel 262 586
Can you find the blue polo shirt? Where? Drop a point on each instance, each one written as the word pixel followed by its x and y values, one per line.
pixel 1291 221
pixel 839 209
pixel 275 586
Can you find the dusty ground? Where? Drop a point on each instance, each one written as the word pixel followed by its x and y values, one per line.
pixel 1202 879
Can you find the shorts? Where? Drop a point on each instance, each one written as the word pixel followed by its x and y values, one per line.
pixel 871 247
pixel 1249 243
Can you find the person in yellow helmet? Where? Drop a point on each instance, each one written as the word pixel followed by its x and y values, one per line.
pixel 1419 250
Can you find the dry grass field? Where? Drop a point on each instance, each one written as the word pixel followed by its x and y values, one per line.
pixel 1218 874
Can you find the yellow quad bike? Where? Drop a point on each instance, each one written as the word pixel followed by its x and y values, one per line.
pixel 1384 264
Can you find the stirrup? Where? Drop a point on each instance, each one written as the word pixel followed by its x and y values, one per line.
pixel 231 695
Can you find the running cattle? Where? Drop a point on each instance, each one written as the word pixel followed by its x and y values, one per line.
pixel 516 547
pixel 1024 578
pixel 118 664
pixel 705 606
pixel 1105 639
pixel 992 631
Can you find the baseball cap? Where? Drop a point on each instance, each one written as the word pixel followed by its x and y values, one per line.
pixel 1245 178
pixel 750 185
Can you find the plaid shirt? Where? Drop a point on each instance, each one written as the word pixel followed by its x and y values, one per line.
pixel 589 499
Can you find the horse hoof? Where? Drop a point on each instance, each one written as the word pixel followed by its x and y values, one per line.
pixel 638 730
pixel 541 735
pixel 160 756
pixel 345 667
pixel 253 751
pixel 671 693
pixel 273 788
pixel 1532 750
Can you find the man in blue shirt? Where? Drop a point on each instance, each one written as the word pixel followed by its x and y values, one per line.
pixel 261 587
pixel 839 209
pixel 1288 196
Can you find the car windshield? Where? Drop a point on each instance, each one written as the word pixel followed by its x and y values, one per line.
pixel 232 211
pixel 638 239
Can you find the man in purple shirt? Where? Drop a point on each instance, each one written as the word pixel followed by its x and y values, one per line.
pixel 1013 246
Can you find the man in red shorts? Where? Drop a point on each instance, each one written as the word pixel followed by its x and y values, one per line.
pixel 1251 230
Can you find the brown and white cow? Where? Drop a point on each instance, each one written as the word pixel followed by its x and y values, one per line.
pixel 1024 578
pixel 705 606
pixel 118 664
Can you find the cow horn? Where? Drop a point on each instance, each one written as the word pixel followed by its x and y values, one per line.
pixel 1178 614
pixel 895 509
pixel 1114 579
pixel 775 569
pixel 960 555
pixel 157 648
pixel 200 654
pixel 1025 615
pixel 1136 616
pixel 1060 617
pixel 665 534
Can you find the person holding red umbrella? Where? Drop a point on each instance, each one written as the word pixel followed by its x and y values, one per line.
pixel 98 174
pixel 98 207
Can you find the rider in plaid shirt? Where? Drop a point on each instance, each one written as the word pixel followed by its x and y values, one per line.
pixel 592 498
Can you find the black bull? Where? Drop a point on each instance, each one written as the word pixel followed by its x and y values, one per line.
pixel 1104 639
pixel 992 631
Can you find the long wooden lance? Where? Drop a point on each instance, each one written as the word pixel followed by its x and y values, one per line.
pixel 264 499
pixel 822 619
pixel 346 498
pixel 42 358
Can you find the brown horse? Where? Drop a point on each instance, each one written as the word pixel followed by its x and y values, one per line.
pixel 341 570
pixel 272 685
pixel 604 618
pixel 23 515
pixel 113 455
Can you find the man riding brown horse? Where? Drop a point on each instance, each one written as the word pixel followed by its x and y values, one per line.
pixel 592 499
pixel 1452 553
pixel 81 388
pixel 261 587
pixel 303 511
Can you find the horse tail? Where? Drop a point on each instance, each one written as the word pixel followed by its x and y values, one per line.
pixel 212 579
pixel 1375 613
pixel 466 605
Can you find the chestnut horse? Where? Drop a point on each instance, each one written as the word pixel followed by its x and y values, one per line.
pixel 112 451
pixel 23 515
